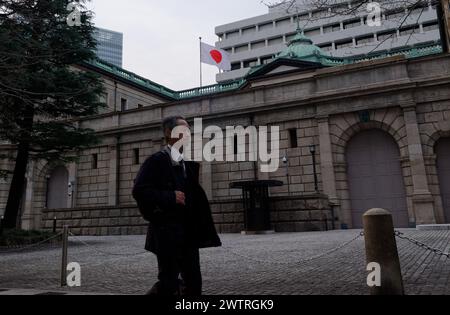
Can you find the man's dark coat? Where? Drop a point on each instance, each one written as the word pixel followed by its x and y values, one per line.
pixel 171 226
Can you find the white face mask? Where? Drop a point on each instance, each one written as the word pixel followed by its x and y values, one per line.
pixel 176 155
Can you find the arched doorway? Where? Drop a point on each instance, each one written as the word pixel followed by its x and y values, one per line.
pixel 443 165
pixel 375 177
pixel 57 188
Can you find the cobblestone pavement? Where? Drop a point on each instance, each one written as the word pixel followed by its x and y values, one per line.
pixel 13 292
pixel 247 265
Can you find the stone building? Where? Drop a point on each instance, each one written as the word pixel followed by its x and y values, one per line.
pixel 380 126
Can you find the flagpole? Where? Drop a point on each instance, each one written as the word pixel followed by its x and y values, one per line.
pixel 201 68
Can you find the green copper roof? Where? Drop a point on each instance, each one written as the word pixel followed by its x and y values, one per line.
pixel 300 38
pixel 299 48
pixel 134 78
pixel 302 47
pixel 161 90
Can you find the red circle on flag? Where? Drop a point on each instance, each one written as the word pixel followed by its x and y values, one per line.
pixel 216 55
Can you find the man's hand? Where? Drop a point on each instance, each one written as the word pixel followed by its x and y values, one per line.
pixel 181 198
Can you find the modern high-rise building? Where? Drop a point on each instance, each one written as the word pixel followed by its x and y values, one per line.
pixel 109 46
pixel 257 40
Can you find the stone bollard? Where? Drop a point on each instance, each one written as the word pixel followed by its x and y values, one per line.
pixel 381 248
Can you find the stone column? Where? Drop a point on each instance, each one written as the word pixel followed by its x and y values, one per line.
pixel 28 216
pixel 114 173
pixel 422 199
pixel 444 12
pixel 327 167
pixel 257 166
pixel 326 160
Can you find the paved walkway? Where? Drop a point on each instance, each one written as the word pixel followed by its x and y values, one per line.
pixel 247 265
pixel 30 292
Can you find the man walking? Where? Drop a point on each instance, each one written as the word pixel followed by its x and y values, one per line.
pixel 170 198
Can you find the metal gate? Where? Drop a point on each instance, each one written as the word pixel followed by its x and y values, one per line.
pixel 57 188
pixel 375 177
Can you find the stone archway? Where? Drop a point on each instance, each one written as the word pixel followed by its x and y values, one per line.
pixel 442 150
pixel 375 176
pixel 57 188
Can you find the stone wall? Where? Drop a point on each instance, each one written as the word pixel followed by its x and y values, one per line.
pixel 97 221
pixel 129 167
pixel 293 214
pixel 303 214
pixel 92 184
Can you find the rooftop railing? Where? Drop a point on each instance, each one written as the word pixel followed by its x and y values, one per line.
pixel 211 89
pixel 410 52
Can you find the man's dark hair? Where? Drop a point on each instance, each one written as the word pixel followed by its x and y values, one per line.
pixel 171 122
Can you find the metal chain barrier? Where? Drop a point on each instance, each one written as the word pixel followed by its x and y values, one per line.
pixel 105 252
pixel 31 246
pixel 436 251
pixel 303 261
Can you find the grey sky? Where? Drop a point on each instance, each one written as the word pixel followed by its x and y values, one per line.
pixel 161 37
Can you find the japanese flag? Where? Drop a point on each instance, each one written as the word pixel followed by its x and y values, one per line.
pixel 216 57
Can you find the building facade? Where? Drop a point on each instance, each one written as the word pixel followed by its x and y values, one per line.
pixel 380 126
pixel 109 46
pixel 257 40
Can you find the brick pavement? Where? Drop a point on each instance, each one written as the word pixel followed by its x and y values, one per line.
pixel 269 266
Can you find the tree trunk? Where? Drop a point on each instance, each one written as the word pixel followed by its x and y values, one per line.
pixel 17 185
pixel 18 181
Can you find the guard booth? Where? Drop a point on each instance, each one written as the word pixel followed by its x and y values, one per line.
pixel 256 205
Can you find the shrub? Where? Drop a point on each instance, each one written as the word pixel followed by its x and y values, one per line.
pixel 23 238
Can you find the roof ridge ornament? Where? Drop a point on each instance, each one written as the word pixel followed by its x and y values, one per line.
pixel 300 36
pixel 298 24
